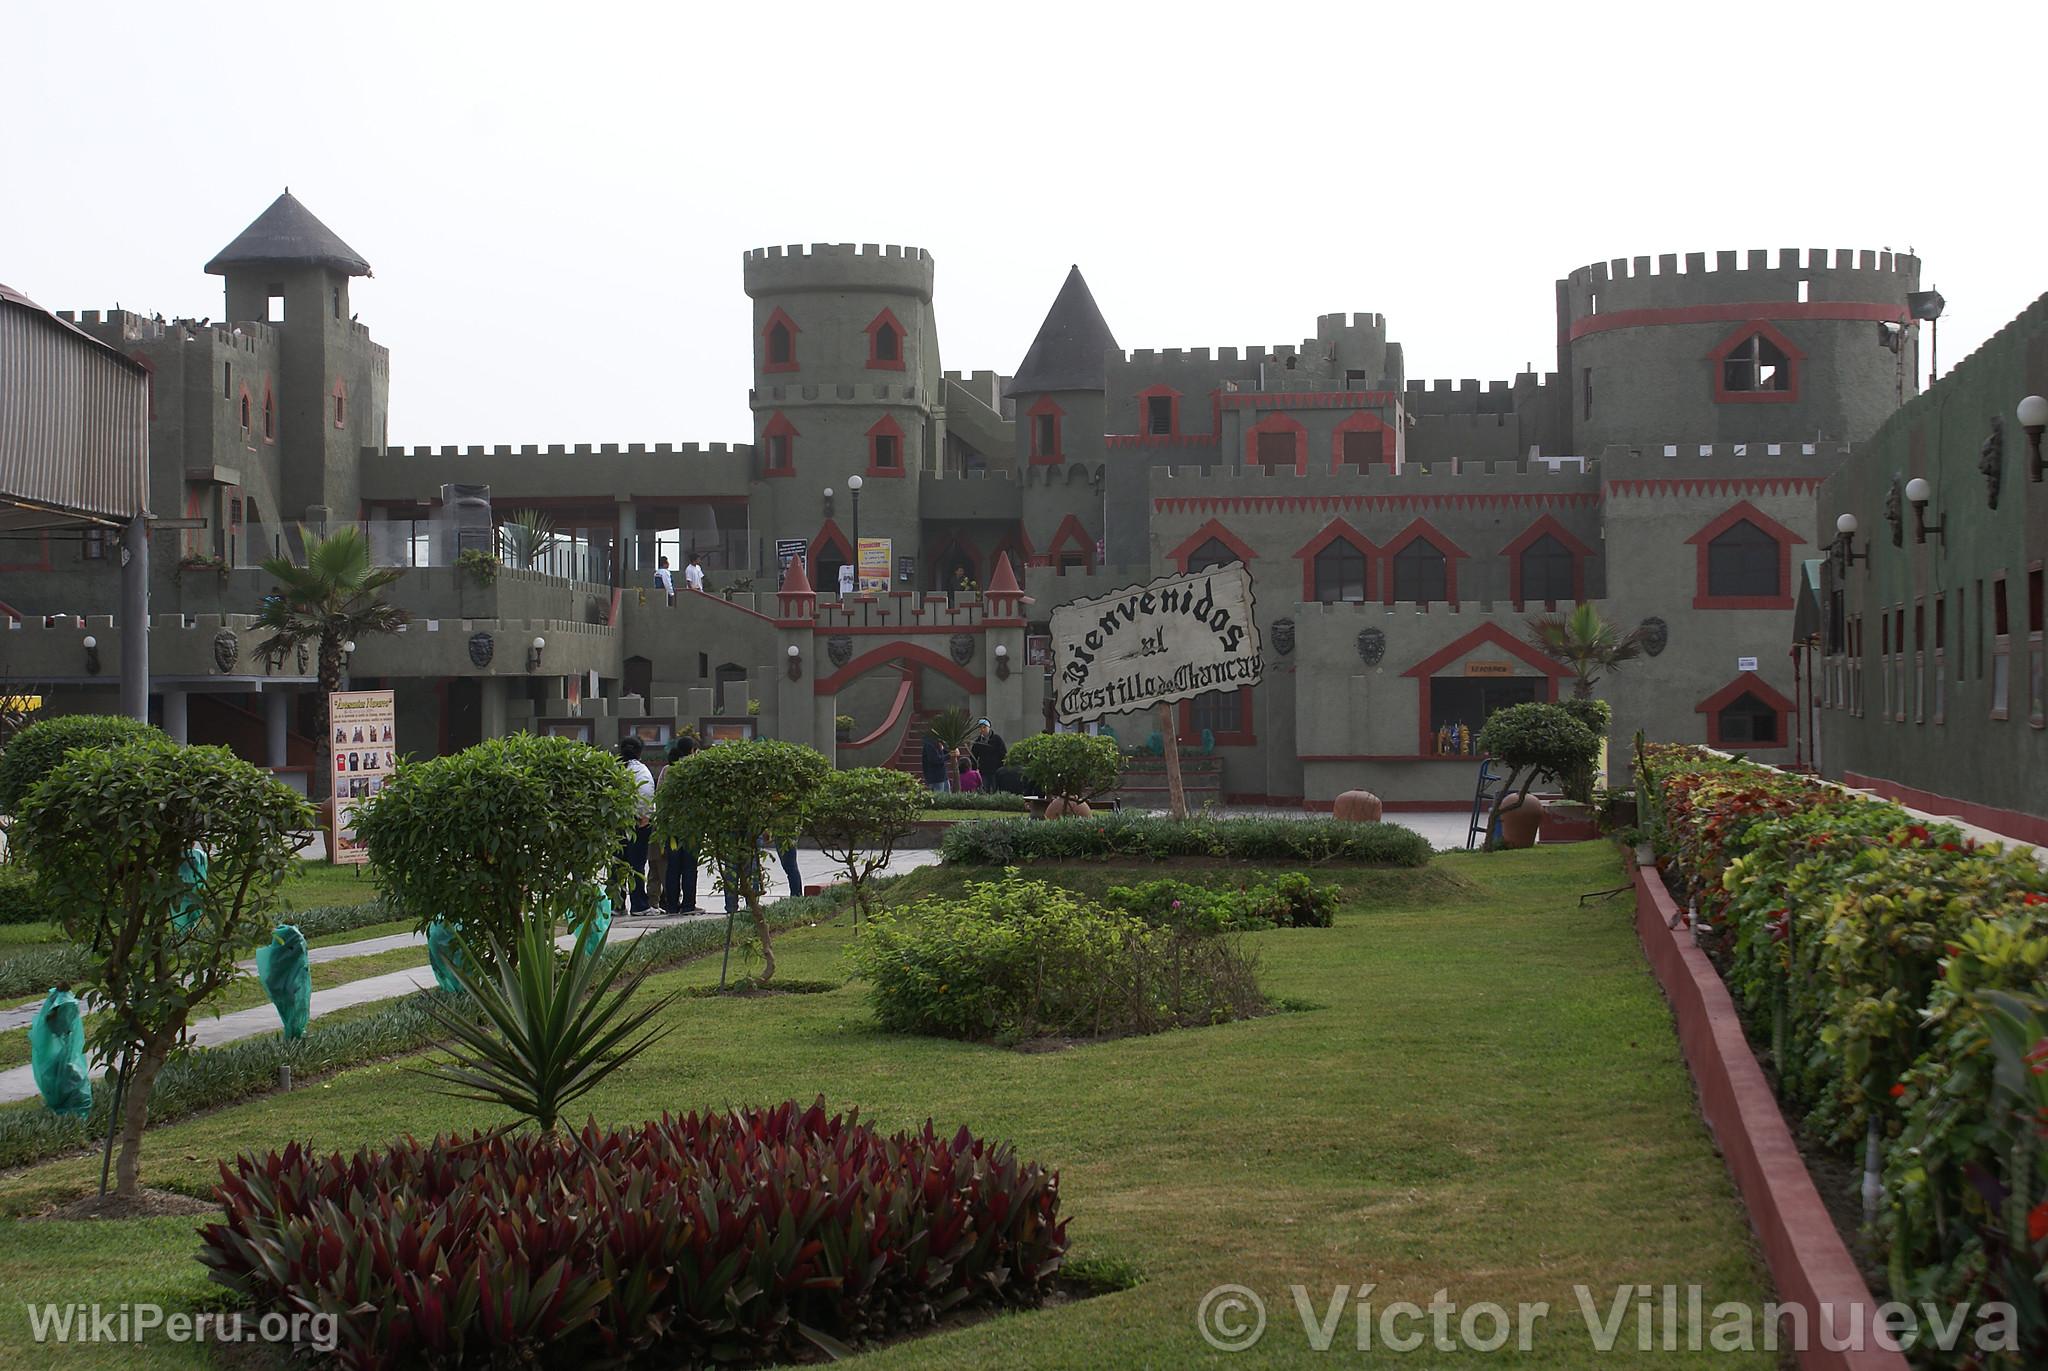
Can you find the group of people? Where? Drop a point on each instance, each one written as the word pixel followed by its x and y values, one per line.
pixel 665 579
pixel 671 870
pixel 979 764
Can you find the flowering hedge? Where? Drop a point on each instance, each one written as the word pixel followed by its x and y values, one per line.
pixel 756 1235
pixel 1864 945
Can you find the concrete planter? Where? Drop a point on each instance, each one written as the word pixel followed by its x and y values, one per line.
pixel 1567 821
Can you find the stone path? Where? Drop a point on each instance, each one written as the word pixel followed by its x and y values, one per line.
pixel 19 1083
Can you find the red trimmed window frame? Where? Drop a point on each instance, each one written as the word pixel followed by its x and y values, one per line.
pixel 830 536
pixel 245 411
pixel 886 427
pixel 1244 735
pixel 1426 531
pixel 1364 421
pixel 1194 541
pixel 1785 538
pixel 1336 531
pixel 1276 422
pixel 1748 683
pixel 340 398
pixel 778 427
pixel 1795 359
pixel 1145 399
pixel 768 363
pixel 886 319
pixel 269 412
pixel 957 544
pixel 1547 526
pixel 1071 530
pixel 1045 408
pixel 1486 635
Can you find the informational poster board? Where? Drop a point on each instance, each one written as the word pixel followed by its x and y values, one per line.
pixel 789 550
pixel 877 560
pixel 1174 639
pixel 363 728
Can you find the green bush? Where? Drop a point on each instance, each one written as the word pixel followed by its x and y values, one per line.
pixel 857 817
pixel 34 752
pixel 32 973
pixel 1538 741
pixel 512 829
pixel 987 801
pixel 22 900
pixel 1007 842
pixel 1292 901
pixel 1075 766
pixel 1016 959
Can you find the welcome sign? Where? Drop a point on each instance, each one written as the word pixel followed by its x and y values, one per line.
pixel 1173 639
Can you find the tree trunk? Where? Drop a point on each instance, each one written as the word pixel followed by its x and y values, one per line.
pixel 134 1114
pixel 1176 793
pixel 330 681
pixel 761 931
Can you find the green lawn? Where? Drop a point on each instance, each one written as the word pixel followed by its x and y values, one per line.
pixel 1487 1099
pixel 313 884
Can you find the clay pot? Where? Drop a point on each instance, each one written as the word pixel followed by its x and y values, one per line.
pixel 1520 817
pixel 1358 806
pixel 1060 807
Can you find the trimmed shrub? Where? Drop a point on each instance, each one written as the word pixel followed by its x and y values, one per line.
pixel 35 752
pixel 1071 766
pixel 1538 741
pixel 1016 959
pixel 992 801
pixel 755 1235
pixel 22 900
pixel 32 973
pixel 1007 842
pixel 1292 901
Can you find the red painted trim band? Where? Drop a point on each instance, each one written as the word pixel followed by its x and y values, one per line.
pixel 2016 824
pixel 1840 311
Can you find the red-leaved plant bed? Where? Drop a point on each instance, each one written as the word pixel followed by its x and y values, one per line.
pixel 741 1237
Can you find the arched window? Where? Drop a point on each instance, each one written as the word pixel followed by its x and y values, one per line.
pixel 1420 572
pixel 1746 719
pixel 1743 560
pixel 269 415
pixel 778 343
pixel 245 411
pixel 885 342
pixel 888 347
pixel 1212 553
pixel 1340 573
pixel 1547 568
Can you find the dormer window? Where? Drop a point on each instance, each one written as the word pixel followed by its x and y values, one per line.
pixel 1044 418
pixel 885 342
pixel 1756 364
pixel 778 343
pixel 1158 414
pixel 885 448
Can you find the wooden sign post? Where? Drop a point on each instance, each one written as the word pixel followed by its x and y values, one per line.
pixel 1176 794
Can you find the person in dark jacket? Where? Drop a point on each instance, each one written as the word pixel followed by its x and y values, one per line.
pixel 934 764
pixel 679 879
pixel 989 749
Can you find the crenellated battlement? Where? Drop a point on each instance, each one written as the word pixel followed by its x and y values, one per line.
pixel 1328 326
pixel 1442 475
pixel 1469 386
pixel 1140 357
pixel 845 393
pixel 1800 275
pixel 839 266
pixel 908 610
pixel 682 450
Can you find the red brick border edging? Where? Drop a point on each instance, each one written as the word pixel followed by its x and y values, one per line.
pixel 1809 1264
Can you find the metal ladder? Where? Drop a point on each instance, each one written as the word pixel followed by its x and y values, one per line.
pixel 1484 794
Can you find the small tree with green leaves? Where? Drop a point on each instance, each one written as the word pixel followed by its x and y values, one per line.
pixel 37 750
pixel 858 816
pixel 1536 742
pixel 1069 766
pixel 728 802
pixel 110 832
pixel 509 831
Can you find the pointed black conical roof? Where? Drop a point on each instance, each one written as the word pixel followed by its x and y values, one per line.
pixel 1067 353
pixel 287 234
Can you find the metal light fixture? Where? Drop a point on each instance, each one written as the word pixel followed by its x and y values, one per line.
pixel 2033 419
pixel 854 483
pixel 1918 493
pixel 92 655
pixel 828 502
pixel 1844 550
pixel 533 654
pixel 1890 336
pixel 796 662
pixel 1002 662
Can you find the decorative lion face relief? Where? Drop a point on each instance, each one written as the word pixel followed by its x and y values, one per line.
pixel 962 647
pixel 1283 636
pixel 839 648
pixel 482 647
pixel 1656 635
pixel 227 650
pixel 1372 646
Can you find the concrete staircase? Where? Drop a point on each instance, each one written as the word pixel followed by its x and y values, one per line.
pixel 910 753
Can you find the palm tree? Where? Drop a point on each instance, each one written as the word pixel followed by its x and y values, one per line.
pixel 335 598
pixel 1586 643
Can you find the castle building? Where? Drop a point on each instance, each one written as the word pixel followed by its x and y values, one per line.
pixel 1399 532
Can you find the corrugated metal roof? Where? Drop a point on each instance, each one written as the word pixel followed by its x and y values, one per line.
pixel 74 421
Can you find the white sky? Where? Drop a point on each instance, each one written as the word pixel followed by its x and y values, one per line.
pixel 556 199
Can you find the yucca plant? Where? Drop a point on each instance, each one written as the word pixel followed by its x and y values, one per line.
pixel 952 727
pixel 528 536
pixel 554 1024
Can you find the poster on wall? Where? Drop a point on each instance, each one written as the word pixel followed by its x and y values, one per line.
pixel 789 550
pixel 1174 639
pixel 362 727
pixel 877 560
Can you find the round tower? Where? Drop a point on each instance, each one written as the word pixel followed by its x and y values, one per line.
pixel 1743 350
pixel 846 366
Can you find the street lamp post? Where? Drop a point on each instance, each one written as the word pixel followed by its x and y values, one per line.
pixel 853 483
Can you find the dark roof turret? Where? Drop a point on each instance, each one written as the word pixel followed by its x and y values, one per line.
pixel 1071 343
pixel 287 234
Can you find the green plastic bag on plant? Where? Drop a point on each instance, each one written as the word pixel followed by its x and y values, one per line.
pixel 286 970
pixel 444 954
pixel 193 873
pixel 597 925
pixel 56 1043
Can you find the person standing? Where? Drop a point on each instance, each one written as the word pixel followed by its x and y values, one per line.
pixel 679 880
pixel 988 748
pixel 634 851
pixel 933 762
pixel 693 573
pixel 665 579
pixel 845 580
